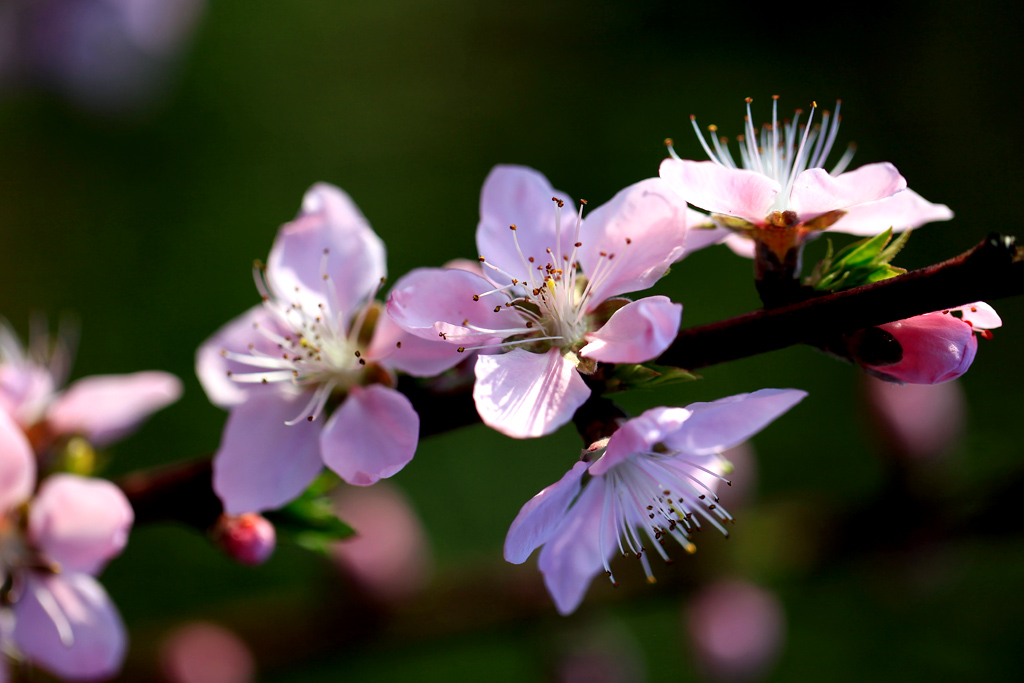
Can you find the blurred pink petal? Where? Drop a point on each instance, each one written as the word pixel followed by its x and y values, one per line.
pixel 736 629
pixel 202 652
pixel 263 463
pixel 17 465
pixel 67 625
pixel 637 332
pixel 329 236
pixel 371 436
pixel 525 394
pixel 920 420
pixel 249 538
pixel 644 226
pixel 239 336
pixel 79 522
pixel 26 390
pixel 389 555
pixel 106 408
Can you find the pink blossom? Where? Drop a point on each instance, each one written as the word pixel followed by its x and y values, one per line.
pixel 101 408
pixel 64 621
pixel 780 183
pixel 936 347
pixel 311 348
pixel 390 554
pixel 203 652
pixel 249 538
pixel 548 305
pixel 655 478
pixel 918 420
pixel 737 630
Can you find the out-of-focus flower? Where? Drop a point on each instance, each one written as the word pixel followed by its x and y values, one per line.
pixel 50 549
pixel 655 478
pixel 548 307
pixel 107 55
pixel 779 192
pixel 390 554
pixel 202 652
pixel 316 342
pixel 935 347
pixel 599 653
pixel 736 630
pixel 918 420
pixel 100 408
pixel 249 538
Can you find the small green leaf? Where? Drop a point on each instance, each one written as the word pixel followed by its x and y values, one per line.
pixel 626 376
pixel 863 262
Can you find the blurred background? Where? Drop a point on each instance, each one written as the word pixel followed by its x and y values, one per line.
pixel 149 150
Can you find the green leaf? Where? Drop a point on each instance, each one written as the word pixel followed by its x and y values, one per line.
pixel 647 376
pixel 863 262
pixel 309 521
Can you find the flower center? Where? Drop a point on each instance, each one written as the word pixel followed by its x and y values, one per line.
pixel 656 495
pixel 781 151
pixel 552 300
pixel 315 349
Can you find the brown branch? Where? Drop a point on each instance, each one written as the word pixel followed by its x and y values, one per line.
pixel 993 269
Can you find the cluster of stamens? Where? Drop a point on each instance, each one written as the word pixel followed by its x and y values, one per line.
pixel 657 495
pixel 316 351
pixel 552 301
pixel 781 151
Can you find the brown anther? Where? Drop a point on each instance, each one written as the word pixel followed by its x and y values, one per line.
pixel 515 281
pixel 310 418
pixel 814 104
pixel 264 380
pixel 530 259
pixel 497 308
pixel 476 297
pixel 398 345
pixel 604 253
pixel 465 321
pixel 229 373
pixel 629 241
pixel 974 309
pixel 578 244
pixel 713 128
pixel 461 349
pixel 362 361
pixel 986 334
pixel 668 141
pixel 775 97
pixel 481 258
pixel 529 323
pixel 223 352
pixel 358 354
pixel 512 227
pixel 748 100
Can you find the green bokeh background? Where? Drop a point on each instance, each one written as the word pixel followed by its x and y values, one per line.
pixel 145 227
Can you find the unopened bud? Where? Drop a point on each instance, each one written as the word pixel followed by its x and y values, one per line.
pixel 248 538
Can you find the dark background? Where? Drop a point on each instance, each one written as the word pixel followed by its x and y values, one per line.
pixel 144 224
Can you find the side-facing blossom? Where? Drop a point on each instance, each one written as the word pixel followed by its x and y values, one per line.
pixel 317 343
pixel 936 347
pixel 64 621
pixel 655 478
pixel 548 306
pixel 778 192
pixel 101 408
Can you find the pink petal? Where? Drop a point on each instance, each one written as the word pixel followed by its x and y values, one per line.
pixel 904 210
pixel 816 192
pixel 922 421
pixel 427 301
pixel 937 347
pixel 17 465
pixel 644 226
pixel 525 394
pixel 328 220
pixel 741 246
pixel 572 558
pixel 715 426
pixel 372 436
pixel 702 232
pixel 520 196
pixel 262 463
pixel 81 523
pixel 640 435
pixel 26 390
pixel 715 188
pixel 106 408
pixel 542 515
pixel 395 348
pixel 67 625
pixel 212 367
pixel 980 315
pixel 637 332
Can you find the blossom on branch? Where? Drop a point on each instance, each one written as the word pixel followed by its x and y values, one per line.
pixel 934 347
pixel 778 193
pixel 655 478
pixel 316 344
pixel 548 307
pixel 51 547
pixel 101 408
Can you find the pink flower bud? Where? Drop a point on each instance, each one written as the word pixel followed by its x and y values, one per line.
pixel 248 538
pixel 936 347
